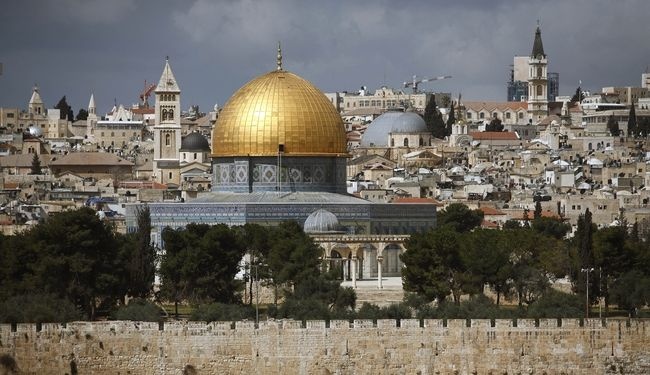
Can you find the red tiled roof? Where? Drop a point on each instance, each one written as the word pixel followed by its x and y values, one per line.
pixel 143 111
pixel 494 136
pixel 491 211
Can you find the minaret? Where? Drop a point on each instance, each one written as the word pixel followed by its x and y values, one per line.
pixel 537 80
pixel 36 106
pixel 167 128
pixel 91 121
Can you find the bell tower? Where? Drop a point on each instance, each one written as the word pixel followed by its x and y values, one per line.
pixel 537 80
pixel 167 128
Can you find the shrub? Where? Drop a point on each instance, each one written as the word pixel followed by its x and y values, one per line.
pixel 38 308
pixel 138 310
pixel 396 311
pixel 222 312
pixel 369 311
pixel 556 304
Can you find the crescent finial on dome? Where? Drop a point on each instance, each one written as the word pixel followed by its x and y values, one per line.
pixel 279 57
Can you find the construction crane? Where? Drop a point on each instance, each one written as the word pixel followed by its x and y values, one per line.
pixel 415 82
pixel 145 94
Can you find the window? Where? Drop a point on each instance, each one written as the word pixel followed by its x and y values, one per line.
pixel 494 115
pixel 406 142
pixel 421 141
pixel 521 115
pixel 540 90
pixel 392 142
pixel 168 140
pixel 481 115
pixel 508 115
pixel 170 175
pixel 10 115
pixel 539 71
pixel 195 156
pixel 469 115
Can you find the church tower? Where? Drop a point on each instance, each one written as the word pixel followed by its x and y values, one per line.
pixel 167 128
pixel 91 121
pixel 537 81
pixel 36 106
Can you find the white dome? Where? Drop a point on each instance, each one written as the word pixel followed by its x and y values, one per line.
pixel 35 131
pixel 321 221
pixel 392 122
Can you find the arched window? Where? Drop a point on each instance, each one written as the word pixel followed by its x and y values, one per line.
pixel 170 114
pixel 406 142
pixel 540 90
pixel 421 141
pixel 170 175
pixel 392 142
pixel 168 140
pixel 163 115
pixel 539 71
pixel 195 156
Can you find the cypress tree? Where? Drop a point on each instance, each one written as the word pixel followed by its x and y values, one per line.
pixel 631 122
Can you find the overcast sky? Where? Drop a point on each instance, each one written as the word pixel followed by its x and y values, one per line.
pixel 110 47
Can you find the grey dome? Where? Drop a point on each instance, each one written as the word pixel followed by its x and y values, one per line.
pixel 392 122
pixel 321 221
pixel 195 142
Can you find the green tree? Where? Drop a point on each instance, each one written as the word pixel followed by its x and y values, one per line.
pixel 140 257
pixel 578 96
pixel 632 130
pixel 66 112
pixel 72 255
pixel 433 119
pixel 293 255
pixel 550 226
pixel 459 217
pixel 631 291
pixel 537 214
pixel 495 125
pixel 487 259
pixel 200 263
pixel 82 114
pixel 612 258
pixel 556 304
pixel 138 310
pixel 433 265
pixel 612 126
pixel 451 119
pixel 529 277
pixel 36 165
pixel 583 256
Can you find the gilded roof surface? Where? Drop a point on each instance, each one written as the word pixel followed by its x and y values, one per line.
pixel 279 108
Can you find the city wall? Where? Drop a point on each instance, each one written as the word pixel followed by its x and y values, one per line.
pixel 549 346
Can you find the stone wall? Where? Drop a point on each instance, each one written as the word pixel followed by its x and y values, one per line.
pixel 551 346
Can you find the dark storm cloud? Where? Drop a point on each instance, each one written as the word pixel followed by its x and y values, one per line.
pixel 75 47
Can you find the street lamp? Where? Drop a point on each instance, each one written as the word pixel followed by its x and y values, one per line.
pixel 587 271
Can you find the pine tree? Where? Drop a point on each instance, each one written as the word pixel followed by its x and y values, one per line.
pixel 538 210
pixel 66 112
pixel 577 97
pixel 631 123
pixel 36 165
pixel 451 119
pixel 612 126
pixel 433 119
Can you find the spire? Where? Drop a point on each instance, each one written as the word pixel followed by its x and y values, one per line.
pixel 36 97
pixel 279 57
pixel 538 47
pixel 91 103
pixel 167 81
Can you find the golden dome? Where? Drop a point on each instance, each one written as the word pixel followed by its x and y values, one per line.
pixel 279 108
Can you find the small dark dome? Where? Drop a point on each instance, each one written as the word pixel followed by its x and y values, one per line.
pixel 195 142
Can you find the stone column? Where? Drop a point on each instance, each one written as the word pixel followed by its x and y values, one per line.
pixel 379 281
pixel 354 271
